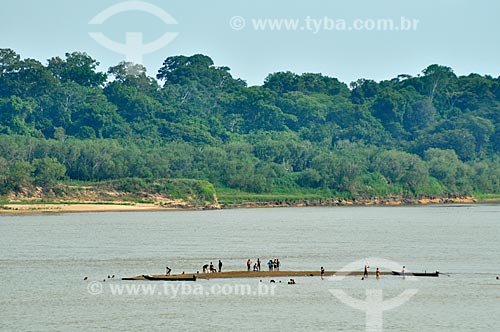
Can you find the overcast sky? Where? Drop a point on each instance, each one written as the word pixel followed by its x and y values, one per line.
pixel 464 35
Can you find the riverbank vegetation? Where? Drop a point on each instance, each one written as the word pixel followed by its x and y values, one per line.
pixel 303 136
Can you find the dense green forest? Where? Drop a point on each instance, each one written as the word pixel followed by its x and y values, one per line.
pixel 430 135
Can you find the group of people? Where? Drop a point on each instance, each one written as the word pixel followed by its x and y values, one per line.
pixel 256 265
pixel 207 268
pixel 210 268
pixel 377 272
pixel 365 272
pixel 273 265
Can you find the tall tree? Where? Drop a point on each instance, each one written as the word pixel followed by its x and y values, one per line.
pixel 77 67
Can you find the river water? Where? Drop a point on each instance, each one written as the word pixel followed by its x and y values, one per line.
pixel 44 258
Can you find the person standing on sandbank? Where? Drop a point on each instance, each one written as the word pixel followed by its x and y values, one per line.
pixel 220 265
pixel 249 264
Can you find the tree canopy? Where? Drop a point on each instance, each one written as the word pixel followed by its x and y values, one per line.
pixel 433 134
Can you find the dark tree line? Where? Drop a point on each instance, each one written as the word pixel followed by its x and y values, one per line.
pixel 427 135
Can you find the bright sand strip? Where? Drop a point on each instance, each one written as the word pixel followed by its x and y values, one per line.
pixel 91 207
pixel 261 274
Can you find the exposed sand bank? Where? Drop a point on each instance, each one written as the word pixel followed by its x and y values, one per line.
pixel 91 207
pixel 62 207
pixel 260 274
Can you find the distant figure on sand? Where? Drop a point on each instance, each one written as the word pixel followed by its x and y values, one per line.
pixel 322 273
pixel 249 264
pixel 365 273
pixel 258 263
pixel 291 282
pixel 255 268
pixel 377 273
pixel 270 265
pixel 167 271
pixel 205 268
pixel 403 271
pixel 212 268
pixel 278 265
pixel 220 265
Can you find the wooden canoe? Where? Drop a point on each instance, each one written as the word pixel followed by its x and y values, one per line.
pixel 416 274
pixel 179 277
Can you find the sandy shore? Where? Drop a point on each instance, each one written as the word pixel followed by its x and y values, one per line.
pixel 34 208
pixel 261 274
pixel 68 208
